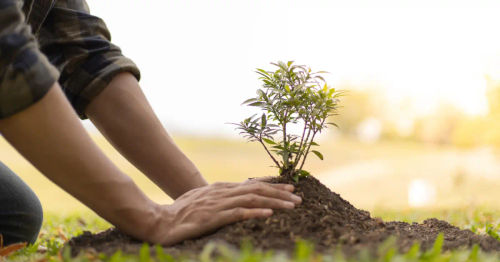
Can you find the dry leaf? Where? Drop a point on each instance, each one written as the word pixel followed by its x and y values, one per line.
pixel 61 234
pixel 5 251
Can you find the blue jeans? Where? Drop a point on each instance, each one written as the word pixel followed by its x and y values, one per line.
pixel 21 213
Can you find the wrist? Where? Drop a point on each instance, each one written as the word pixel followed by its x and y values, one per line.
pixel 160 225
pixel 140 224
pixel 130 210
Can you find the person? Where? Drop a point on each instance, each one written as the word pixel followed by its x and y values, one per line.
pixel 57 64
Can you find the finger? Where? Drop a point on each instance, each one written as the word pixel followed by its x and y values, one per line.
pixel 254 201
pixel 286 187
pixel 263 189
pixel 238 214
pixel 259 179
pixel 224 185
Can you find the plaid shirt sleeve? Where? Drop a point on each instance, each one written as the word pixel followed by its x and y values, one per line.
pixel 79 45
pixel 25 73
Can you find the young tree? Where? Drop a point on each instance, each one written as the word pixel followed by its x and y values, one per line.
pixel 291 95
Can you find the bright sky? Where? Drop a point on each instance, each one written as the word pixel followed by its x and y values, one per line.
pixel 198 57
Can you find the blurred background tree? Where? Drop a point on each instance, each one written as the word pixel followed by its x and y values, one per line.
pixel 438 127
pixel 362 104
pixel 371 116
pixel 482 130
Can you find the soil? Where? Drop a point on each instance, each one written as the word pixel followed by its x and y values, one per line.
pixel 323 218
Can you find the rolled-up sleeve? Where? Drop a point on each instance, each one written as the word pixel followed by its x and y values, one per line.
pixel 79 45
pixel 25 73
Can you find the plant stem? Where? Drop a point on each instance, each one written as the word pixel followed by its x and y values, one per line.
pixel 265 147
pixel 297 157
pixel 309 147
pixel 285 161
pixel 307 152
pixel 307 139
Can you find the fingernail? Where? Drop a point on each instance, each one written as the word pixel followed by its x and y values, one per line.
pixel 296 198
pixel 289 204
pixel 289 187
pixel 267 212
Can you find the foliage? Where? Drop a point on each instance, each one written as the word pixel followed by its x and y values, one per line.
pixel 292 94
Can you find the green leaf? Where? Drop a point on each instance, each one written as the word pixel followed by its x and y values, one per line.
pixel 318 154
pixel 261 93
pixel 256 104
pixel 287 88
pixel 437 247
pixel 249 100
pixel 303 251
pixel 333 124
pixel 473 256
pixel 206 253
pixel 263 120
pixel 144 253
pixel 314 144
pixel 289 63
pixel 414 252
pixel 162 256
pixel 304 173
pixel 116 257
pixel 269 141
pixel 262 71
pixel 330 92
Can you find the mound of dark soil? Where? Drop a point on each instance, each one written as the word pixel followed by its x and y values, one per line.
pixel 323 218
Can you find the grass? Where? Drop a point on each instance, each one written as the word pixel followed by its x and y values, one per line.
pixel 57 229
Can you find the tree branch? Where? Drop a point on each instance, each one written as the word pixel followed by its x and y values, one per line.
pixel 269 153
pixel 297 157
pixel 285 161
pixel 309 147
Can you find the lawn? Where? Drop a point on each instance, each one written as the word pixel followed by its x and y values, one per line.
pixel 467 195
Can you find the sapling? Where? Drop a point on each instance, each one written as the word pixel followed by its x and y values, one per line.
pixel 290 95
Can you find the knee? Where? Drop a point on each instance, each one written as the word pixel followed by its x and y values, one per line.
pixel 36 220
pixel 32 218
pixel 21 218
pixel 21 214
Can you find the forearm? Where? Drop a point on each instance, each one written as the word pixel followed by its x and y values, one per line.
pixel 51 137
pixel 122 113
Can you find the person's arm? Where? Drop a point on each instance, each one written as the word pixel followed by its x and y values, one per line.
pixel 50 136
pixel 124 116
pixel 37 119
pixel 101 84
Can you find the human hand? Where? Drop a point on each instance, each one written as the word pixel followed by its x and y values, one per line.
pixel 207 208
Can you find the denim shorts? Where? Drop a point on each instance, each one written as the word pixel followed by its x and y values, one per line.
pixel 21 213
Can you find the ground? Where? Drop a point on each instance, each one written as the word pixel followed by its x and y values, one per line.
pixel 467 197
pixel 57 229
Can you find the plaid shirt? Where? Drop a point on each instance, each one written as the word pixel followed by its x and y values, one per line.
pixel 42 41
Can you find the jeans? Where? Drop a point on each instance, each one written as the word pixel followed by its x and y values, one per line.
pixel 21 213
